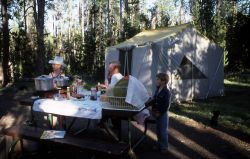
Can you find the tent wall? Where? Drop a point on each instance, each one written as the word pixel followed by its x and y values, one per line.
pixel 142 66
pixel 216 71
pixel 208 58
pixel 194 48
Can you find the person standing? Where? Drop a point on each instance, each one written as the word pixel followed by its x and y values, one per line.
pixel 161 104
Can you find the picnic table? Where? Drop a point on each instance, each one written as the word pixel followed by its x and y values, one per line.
pixel 86 109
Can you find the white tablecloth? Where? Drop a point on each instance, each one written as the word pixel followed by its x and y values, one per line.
pixel 75 108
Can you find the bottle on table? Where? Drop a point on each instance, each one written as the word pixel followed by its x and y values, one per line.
pixel 97 86
pixel 73 90
pixel 93 95
pixel 68 93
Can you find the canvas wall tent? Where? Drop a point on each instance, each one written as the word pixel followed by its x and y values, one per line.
pixel 194 63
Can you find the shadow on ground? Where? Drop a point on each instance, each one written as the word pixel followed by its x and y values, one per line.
pixel 188 138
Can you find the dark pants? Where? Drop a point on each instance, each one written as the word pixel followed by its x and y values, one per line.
pixel 161 130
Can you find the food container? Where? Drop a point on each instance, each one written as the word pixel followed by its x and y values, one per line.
pixel 119 90
pixel 62 81
pixel 116 96
pixel 44 83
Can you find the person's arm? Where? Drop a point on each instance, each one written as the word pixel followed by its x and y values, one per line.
pixel 114 80
pixel 165 102
pixel 150 102
pixel 104 85
pixel 50 74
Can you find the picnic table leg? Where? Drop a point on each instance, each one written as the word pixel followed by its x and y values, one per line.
pixel 71 124
pixel 50 119
pixel 131 151
pixel 31 121
pixel 64 123
pixel 142 137
pixel 129 133
pixel 111 132
pixel 13 145
pixel 120 130
pixel 80 131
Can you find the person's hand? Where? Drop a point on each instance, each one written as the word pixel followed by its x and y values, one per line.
pixel 150 102
pixel 157 114
pixel 78 96
pixel 102 86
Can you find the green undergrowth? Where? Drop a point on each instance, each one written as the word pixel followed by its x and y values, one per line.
pixel 233 106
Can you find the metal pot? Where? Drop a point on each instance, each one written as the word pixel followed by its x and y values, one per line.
pixel 62 81
pixel 44 83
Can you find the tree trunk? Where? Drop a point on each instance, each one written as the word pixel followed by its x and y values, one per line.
pixel 126 8
pixel 39 20
pixel 108 12
pixel 110 35
pixel 94 11
pixel 82 19
pixel 24 14
pixel 181 12
pixel 121 26
pixel 70 14
pixel 5 45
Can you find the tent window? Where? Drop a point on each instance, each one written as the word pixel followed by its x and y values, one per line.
pixel 125 70
pixel 187 70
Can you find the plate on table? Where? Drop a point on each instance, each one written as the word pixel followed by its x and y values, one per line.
pixel 77 99
pixel 34 97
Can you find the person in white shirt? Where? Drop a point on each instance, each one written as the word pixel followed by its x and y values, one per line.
pixel 114 74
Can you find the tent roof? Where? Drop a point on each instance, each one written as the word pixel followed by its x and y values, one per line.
pixel 152 35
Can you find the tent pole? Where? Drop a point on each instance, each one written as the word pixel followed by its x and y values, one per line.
pixel 128 73
pixel 192 72
pixel 125 62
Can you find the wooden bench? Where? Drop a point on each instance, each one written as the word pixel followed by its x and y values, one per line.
pixel 69 141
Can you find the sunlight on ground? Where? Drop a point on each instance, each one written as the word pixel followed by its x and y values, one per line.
pixel 7 120
pixel 239 144
pixel 244 147
pixel 182 139
pixel 236 83
pixel 153 136
pixel 190 143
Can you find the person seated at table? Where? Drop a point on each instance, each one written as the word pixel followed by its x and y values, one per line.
pixel 57 66
pixel 78 87
pixel 114 74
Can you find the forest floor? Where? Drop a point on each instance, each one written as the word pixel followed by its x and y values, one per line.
pixel 190 133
